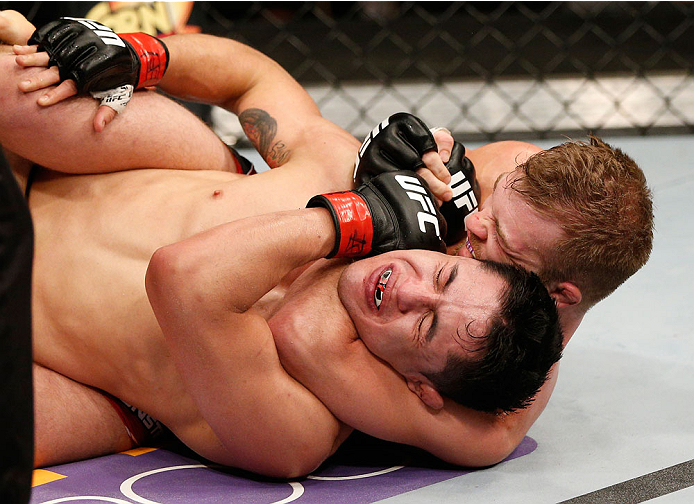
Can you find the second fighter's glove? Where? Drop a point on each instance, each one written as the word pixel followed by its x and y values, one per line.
pixel 466 193
pixel 392 211
pixel 398 143
pixel 98 59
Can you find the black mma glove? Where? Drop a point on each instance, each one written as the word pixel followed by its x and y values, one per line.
pixel 466 193
pixel 398 143
pixel 98 59
pixel 392 211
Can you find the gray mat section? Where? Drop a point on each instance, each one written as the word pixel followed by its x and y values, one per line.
pixel 623 405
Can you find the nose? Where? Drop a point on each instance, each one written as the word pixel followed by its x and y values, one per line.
pixel 414 295
pixel 478 224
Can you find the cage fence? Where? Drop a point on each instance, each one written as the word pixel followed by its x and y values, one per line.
pixel 485 70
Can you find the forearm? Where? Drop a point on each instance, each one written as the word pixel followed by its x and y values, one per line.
pixel 456 434
pixel 276 113
pixel 227 73
pixel 232 266
pixel 490 438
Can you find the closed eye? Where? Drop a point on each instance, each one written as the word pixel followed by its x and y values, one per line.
pixel 502 242
pixel 432 328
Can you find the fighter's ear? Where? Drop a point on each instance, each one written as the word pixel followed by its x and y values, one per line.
pixel 428 394
pixel 565 294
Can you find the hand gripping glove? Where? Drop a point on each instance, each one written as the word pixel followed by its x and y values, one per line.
pixel 392 211
pixel 398 143
pixel 98 59
pixel 466 193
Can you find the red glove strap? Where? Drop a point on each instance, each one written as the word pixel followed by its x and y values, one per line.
pixel 356 226
pixel 153 57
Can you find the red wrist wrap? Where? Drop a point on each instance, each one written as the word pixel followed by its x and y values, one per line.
pixel 355 224
pixel 153 54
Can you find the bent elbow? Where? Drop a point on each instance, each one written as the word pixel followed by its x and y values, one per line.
pixel 280 464
pixel 502 444
pixel 293 469
pixel 167 277
pixel 158 269
pixel 498 452
pixel 487 450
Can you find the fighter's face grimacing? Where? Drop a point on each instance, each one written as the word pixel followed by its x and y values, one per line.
pixel 507 229
pixel 412 308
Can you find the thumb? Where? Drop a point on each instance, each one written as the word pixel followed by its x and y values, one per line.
pixel 104 115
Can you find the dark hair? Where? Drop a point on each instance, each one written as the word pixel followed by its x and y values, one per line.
pixel 524 341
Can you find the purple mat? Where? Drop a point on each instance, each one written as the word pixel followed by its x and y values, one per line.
pixel 363 470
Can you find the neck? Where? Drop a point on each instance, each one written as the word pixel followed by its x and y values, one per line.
pixel 312 308
pixel 570 318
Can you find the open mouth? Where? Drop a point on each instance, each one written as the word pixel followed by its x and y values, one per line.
pixel 381 287
pixel 469 247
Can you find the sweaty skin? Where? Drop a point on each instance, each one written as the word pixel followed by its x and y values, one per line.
pixel 95 235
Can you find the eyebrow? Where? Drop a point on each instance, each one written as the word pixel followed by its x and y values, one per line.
pixel 434 323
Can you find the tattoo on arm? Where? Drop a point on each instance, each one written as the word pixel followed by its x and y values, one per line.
pixel 261 128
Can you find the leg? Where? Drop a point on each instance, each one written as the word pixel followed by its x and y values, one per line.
pixel 89 427
pixel 153 132
pixel 16 250
pixel 14 28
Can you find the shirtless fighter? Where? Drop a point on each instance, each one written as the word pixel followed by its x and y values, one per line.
pixel 487 437
pixel 131 362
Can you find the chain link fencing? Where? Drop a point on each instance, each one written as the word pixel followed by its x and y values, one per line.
pixel 485 70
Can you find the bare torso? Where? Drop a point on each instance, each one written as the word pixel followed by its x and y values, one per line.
pixel 95 235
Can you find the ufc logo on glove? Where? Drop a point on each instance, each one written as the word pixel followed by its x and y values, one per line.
pixel 106 34
pixel 415 191
pixel 463 195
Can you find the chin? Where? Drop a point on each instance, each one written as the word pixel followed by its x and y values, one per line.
pixel 346 287
pixel 350 289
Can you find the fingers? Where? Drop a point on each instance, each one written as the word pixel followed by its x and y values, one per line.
pixel 440 190
pixel 40 80
pixel 433 161
pixel 436 174
pixel 104 115
pixel 27 56
pixel 64 90
pixel 444 142
pixel 25 49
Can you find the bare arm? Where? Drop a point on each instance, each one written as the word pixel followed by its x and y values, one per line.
pixel 347 379
pixel 275 111
pixel 266 421
pixel 352 378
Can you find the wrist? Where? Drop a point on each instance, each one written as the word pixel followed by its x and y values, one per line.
pixel 325 232
pixel 351 221
pixel 152 54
